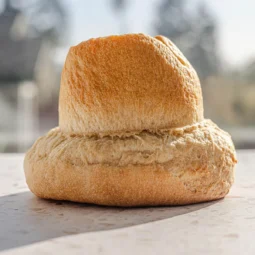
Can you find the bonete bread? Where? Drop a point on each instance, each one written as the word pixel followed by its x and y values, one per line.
pixel 131 130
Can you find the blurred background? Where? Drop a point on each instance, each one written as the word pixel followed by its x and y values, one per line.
pixel 216 36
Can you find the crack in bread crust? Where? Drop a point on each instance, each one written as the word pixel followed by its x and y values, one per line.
pixel 137 148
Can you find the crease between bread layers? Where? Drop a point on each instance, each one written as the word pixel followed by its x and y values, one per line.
pixel 131 130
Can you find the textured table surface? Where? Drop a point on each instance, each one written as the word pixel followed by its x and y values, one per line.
pixel 29 225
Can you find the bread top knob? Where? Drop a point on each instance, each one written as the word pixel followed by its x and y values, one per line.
pixel 128 83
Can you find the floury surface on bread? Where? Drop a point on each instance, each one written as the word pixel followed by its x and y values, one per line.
pixel 131 130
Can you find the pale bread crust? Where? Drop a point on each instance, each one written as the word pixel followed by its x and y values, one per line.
pixel 184 165
pixel 131 82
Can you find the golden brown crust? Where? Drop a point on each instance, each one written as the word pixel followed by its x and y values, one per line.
pixel 124 83
pixel 176 166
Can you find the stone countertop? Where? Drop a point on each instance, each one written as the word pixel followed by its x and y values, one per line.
pixel 29 225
